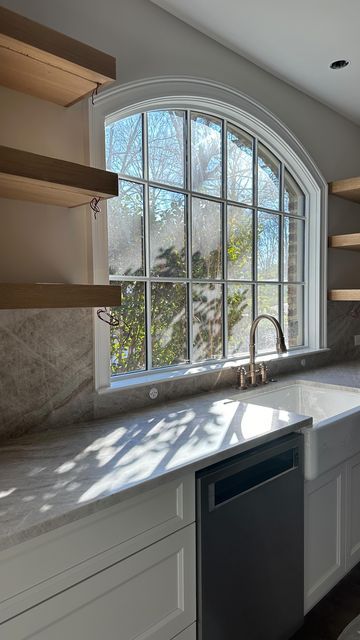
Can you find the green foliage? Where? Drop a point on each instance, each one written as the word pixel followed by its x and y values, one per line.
pixel 128 351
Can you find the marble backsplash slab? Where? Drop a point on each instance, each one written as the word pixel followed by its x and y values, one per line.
pixel 46 368
pixel 46 377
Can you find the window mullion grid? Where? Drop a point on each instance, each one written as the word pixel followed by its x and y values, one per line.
pixel 222 200
pixel 207 196
pixel 224 242
pixel 281 248
pixel 147 248
pixel 255 227
pixel 189 235
pixel 305 275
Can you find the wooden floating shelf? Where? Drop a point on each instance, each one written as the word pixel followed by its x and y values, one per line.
pixel 56 296
pixel 28 176
pixel 348 189
pixel 348 241
pixel 343 295
pixel 45 63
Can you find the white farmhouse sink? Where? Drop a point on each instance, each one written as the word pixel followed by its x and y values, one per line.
pixel 335 435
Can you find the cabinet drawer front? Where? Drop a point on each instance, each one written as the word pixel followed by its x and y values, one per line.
pixel 149 596
pixel 120 531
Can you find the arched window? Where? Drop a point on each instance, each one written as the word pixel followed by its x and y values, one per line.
pixel 210 229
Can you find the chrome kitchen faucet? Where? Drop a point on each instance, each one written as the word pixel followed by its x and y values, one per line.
pixel 262 371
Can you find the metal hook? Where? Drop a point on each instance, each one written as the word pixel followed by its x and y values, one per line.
pixel 112 320
pixel 94 93
pixel 94 205
pixel 354 313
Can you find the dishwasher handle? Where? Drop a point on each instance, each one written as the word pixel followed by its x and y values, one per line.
pixel 232 486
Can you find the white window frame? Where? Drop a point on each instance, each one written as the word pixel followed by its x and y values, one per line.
pixel 224 102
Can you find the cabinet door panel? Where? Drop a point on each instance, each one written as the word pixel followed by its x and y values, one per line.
pixel 148 596
pixel 353 515
pixel 324 534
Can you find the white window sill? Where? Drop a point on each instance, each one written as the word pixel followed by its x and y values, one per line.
pixel 165 375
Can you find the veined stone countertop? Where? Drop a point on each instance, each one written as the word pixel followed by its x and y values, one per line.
pixel 52 478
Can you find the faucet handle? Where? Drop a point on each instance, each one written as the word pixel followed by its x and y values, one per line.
pixel 263 373
pixel 242 377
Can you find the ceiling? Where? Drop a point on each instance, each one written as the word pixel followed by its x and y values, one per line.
pixel 295 41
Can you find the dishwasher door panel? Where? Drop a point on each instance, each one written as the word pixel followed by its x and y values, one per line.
pixel 250 539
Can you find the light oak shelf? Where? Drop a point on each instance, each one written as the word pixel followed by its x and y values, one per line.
pixel 348 189
pixel 343 295
pixel 56 296
pixel 45 63
pixel 28 176
pixel 348 241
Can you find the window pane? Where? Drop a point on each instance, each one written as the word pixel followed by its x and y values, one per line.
pixel 268 230
pixel 151 228
pixel 294 199
pixel 206 154
pixel 268 179
pixel 239 166
pixel 167 233
pixel 268 302
pixel 239 300
pixel 126 230
pixel 128 340
pixel 168 323
pixel 166 147
pixel 293 243
pixel 123 142
pixel 239 243
pixel 294 315
pixel 207 321
pixel 206 239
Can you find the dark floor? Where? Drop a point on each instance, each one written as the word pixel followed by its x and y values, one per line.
pixel 328 618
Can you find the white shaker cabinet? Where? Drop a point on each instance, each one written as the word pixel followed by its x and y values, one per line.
pixel 325 519
pixel 150 595
pixel 353 512
pixel 127 572
pixel 332 528
pixel 51 562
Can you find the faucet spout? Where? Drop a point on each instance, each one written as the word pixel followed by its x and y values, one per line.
pixel 280 340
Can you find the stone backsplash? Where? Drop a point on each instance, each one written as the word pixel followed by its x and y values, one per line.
pixel 47 380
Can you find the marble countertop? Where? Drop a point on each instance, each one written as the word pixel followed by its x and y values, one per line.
pixel 52 478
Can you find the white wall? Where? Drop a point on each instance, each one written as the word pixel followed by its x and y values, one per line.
pixel 39 242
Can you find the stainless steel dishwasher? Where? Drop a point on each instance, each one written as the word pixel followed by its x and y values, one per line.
pixel 250 539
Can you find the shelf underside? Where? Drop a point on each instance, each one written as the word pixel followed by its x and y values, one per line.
pixel 28 176
pixel 56 296
pixel 348 189
pixel 45 63
pixel 349 241
pixel 343 295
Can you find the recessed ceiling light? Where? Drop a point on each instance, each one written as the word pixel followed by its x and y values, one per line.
pixel 339 64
